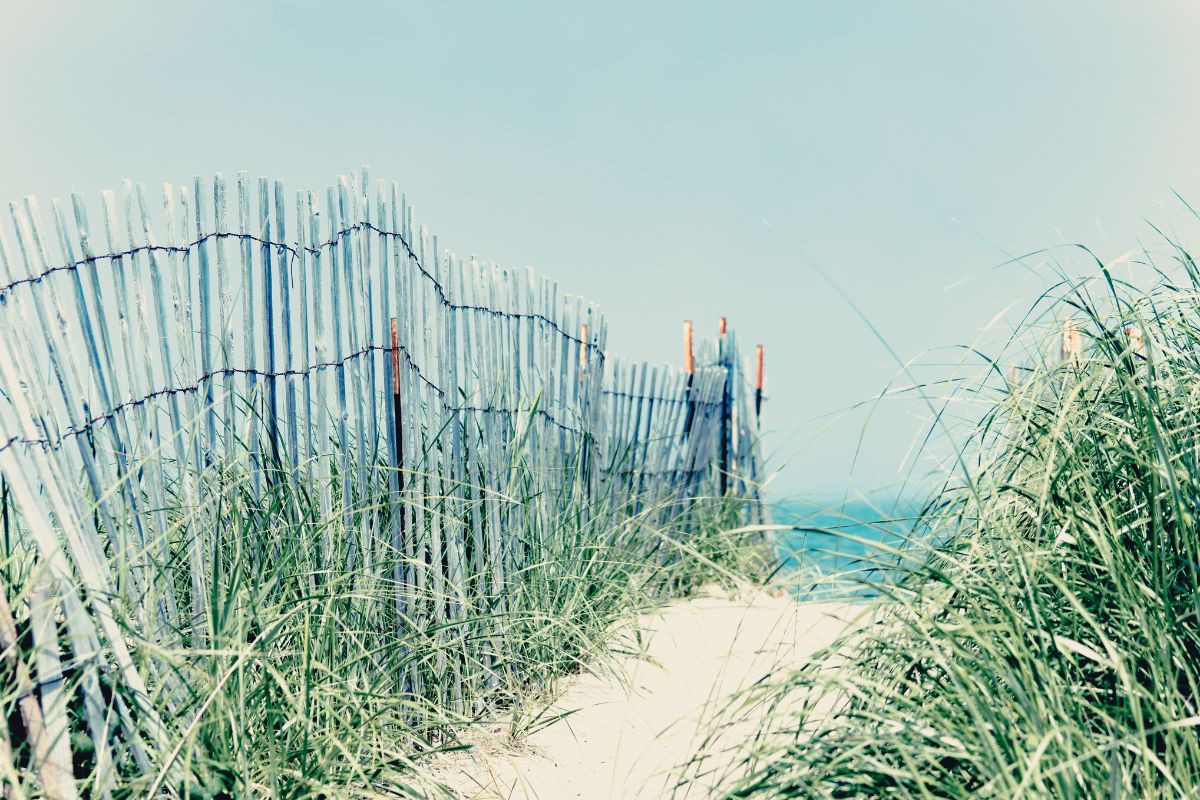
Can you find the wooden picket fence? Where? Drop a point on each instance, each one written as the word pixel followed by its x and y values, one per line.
pixel 153 344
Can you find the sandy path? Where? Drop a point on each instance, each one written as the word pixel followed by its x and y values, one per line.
pixel 628 737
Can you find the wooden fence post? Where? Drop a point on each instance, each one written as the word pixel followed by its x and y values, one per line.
pixel 1137 341
pixel 689 366
pixel 689 358
pixel 1072 342
pixel 758 513
pixel 726 397
pixel 397 408
pixel 758 386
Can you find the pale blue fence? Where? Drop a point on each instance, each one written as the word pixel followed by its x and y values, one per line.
pixel 157 342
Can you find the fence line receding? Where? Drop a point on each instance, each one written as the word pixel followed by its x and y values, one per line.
pixel 152 346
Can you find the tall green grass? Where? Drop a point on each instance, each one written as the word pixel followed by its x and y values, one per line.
pixel 1043 640
pixel 314 668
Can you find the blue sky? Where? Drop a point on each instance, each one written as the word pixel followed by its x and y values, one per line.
pixel 634 150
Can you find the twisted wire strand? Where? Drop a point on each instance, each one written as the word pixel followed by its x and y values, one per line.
pixel 294 253
pixel 197 385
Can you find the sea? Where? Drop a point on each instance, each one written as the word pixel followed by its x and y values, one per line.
pixel 841 548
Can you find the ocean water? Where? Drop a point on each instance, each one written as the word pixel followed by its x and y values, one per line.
pixel 841 549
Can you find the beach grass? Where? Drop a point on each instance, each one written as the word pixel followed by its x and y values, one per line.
pixel 311 668
pixel 1041 638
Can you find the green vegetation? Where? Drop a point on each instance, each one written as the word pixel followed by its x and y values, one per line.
pixel 1047 644
pixel 313 669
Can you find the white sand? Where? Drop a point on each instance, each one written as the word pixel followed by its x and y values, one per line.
pixel 628 738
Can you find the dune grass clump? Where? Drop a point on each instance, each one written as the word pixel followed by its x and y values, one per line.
pixel 1044 641
pixel 314 666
